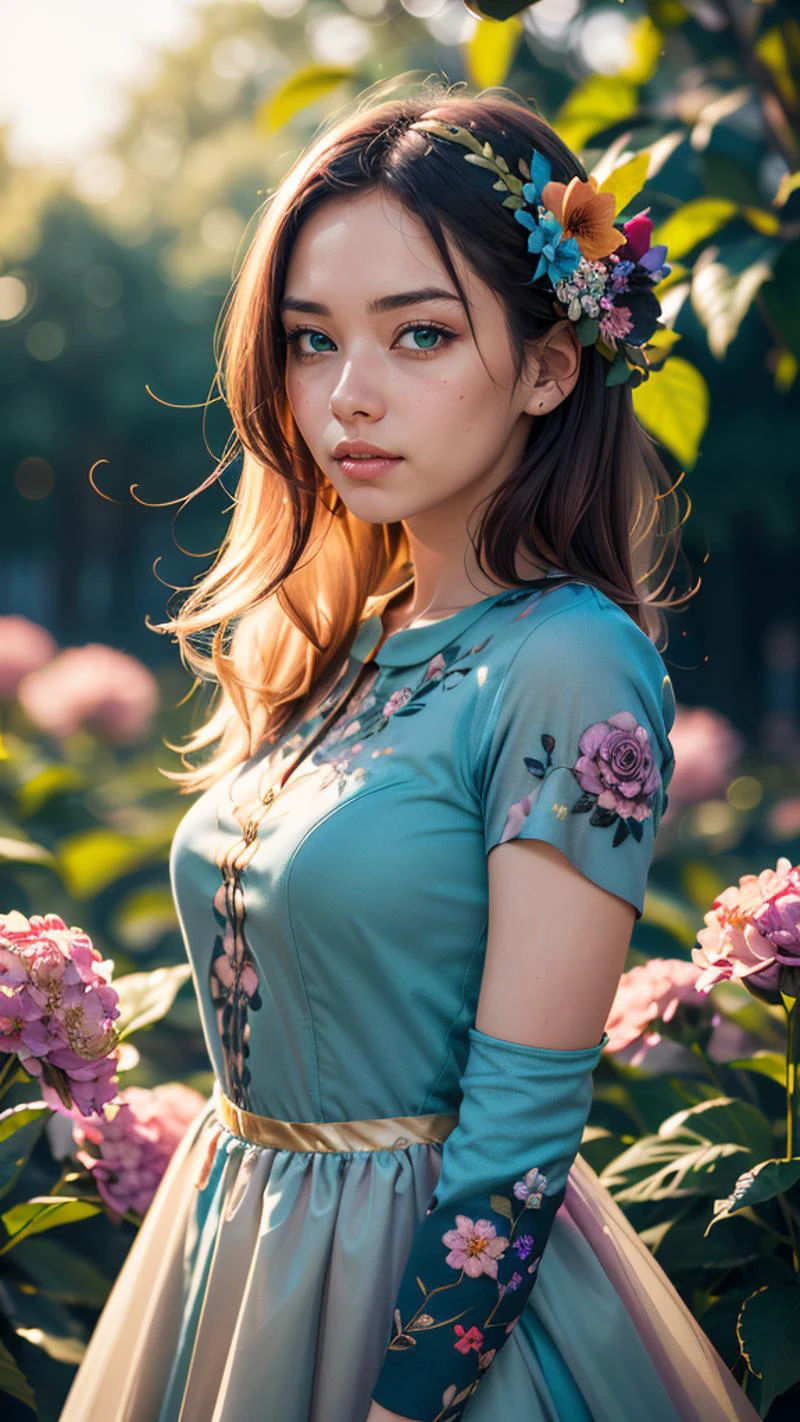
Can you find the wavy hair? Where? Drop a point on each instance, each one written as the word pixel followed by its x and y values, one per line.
pixel 271 622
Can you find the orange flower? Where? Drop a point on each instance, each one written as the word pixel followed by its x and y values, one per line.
pixel 586 215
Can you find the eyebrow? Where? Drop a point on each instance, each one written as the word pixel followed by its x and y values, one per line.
pixel 380 304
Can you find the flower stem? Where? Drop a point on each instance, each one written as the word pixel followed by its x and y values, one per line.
pixel 792 1046
pixel 7 1072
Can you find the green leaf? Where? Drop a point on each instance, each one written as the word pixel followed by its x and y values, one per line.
pixel 724 285
pixel 42 787
pixel 95 858
pixel 761 1182
pixel 301 89
pixel 489 53
pixel 781 297
pixel 145 998
pixel 502 1206
pixel 693 223
pixel 20 1129
pixel 44 1212
pixel 600 102
pixel 698 1151
pixel 24 851
pixel 673 405
pixel 63 1273
pixel 768 1329
pixel 771 1064
pixel 13 1382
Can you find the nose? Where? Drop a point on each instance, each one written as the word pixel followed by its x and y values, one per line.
pixel 355 392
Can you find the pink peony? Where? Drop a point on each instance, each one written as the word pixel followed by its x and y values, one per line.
pixel 616 764
pixel 731 944
pixel 57 1008
pixel 24 648
pixel 475 1246
pixel 649 993
pixel 94 688
pixel 707 749
pixel 129 1147
pixel 779 920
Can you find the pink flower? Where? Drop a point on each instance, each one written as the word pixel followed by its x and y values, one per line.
pixel 731 944
pixel 779 920
pixel 57 1009
pixel 94 688
pixel 707 749
pixel 24 648
pixel 397 699
pixel 129 1147
pixel 468 1338
pixel 435 668
pixel 649 993
pixel 475 1247
pixel 616 764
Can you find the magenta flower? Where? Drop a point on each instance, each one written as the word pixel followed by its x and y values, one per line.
pixel 94 688
pixel 616 764
pixel 779 920
pixel 24 648
pixel 129 1147
pixel 468 1338
pixel 474 1246
pixel 646 994
pixel 57 1009
pixel 732 944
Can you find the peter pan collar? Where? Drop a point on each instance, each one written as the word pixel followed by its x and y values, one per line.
pixel 411 645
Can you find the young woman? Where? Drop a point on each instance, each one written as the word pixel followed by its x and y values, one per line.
pixel 440 758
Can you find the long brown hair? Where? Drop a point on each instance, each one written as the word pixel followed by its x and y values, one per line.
pixel 297 571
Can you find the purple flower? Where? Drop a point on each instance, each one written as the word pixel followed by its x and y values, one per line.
pixel 514 1282
pixel 523 1245
pixel 531 1188
pixel 616 764
pixel 779 920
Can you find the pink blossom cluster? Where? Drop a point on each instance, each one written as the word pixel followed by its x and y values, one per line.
pixel 707 751
pixel 24 648
pixel 94 688
pixel 57 1010
pixel 128 1148
pixel 651 992
pixel 752 932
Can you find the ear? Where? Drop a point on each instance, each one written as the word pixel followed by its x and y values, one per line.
pixel 552 367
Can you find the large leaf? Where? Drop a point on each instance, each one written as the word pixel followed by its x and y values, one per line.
pixel 489 53
pixel 13 1382
pixel 673 405
pixel 20 1129
pixel 725 284
pixel 600 102
pixel 44 1212
pixel 297 92
pixel 145 998
pixel 693 223
pixel 769 1335
pixel 781 297
pixel 698 1151
pixel 93 859
pixel 761 1182
pixel 63 1273
pixel 771 1064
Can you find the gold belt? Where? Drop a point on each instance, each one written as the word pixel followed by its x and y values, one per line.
pixel 380 1133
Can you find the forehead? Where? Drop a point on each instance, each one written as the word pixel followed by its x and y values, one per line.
pixel 369 245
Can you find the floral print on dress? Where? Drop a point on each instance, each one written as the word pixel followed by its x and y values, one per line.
pixel 616 771
pixel 497 1263
pixel 234 986
pixel 368 715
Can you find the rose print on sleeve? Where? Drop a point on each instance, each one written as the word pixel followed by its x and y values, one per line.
pixel 617 774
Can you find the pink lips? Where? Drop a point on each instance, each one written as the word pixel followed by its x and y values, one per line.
pixel 362 468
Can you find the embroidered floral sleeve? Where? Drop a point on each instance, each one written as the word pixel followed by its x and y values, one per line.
pixel 575 749
pixel 475 1257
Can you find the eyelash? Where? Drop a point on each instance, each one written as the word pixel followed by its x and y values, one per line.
pixel 292 338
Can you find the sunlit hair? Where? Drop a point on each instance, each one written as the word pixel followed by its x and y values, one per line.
pixel 271 622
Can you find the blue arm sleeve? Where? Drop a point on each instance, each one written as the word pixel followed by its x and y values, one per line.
pixel 477 1251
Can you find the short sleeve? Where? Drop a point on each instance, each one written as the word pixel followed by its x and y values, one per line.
pixel 576 748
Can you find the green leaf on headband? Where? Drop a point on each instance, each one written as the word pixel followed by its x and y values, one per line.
pixel 588 330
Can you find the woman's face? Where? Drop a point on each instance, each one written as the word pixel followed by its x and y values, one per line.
pixel 409 378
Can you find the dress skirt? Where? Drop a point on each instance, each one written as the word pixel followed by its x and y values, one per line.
pixel 262 1281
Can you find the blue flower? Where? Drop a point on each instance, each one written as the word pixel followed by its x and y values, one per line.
pixel 557 258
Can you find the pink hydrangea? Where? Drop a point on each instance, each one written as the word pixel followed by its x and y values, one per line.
pixel 94 688
pixel 474 1246
pixel 57 1010
pixel 24 648
pixel 129 1146
pixel 707 750
pixel 649 993
pixel 732 945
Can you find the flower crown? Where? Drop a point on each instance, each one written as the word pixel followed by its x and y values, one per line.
pixel 603 275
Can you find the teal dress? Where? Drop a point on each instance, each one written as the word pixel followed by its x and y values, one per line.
pixel 337 974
